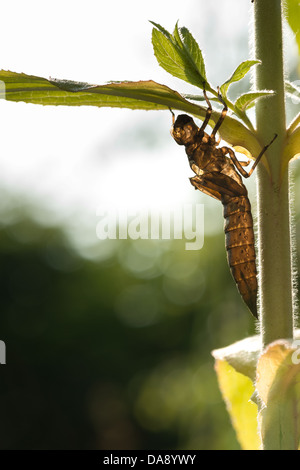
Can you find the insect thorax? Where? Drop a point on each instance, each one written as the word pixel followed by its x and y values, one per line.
pixel 205 155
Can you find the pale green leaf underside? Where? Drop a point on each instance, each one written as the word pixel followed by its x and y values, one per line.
pixel 293 91
pixel 145 95
pixel 247 100
pixel 134 95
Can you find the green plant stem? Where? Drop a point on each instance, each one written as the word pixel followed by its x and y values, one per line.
pixel 274 245
pixel 276 297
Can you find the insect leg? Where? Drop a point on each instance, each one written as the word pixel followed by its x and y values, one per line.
pixel 208 111
pixel 261 154
pixel 173 116
pixel 236 163
pixel 245 163
pixel 240 165
pixel 222 117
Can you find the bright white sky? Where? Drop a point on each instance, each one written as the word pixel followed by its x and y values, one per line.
pixel 70 161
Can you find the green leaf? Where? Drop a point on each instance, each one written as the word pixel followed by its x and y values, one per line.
pixel 247 100
pixel 162 30
pixel 134 95
pixel 176 36
pixel 169 57
pixel 188 96
pixel 238 74
pixel 235 366
pixel 193 52
pixel 70 85
pixel 241 355
pixel 276 375
pixel 179 54
pixel 292 9
pixel 237 390
pixel 292 147
pixel 278 387
pixel 294 124
pixel 292 90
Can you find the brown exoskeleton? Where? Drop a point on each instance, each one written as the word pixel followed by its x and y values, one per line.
pixel 218 174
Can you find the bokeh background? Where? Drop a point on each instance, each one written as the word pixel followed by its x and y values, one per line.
pixel 109 341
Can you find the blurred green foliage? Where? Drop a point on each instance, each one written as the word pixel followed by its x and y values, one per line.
pixel 114 354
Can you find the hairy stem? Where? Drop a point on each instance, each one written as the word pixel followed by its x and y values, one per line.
pixel 275 267
pixel 276 297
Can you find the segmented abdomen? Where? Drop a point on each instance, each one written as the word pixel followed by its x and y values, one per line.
pixel 239 242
